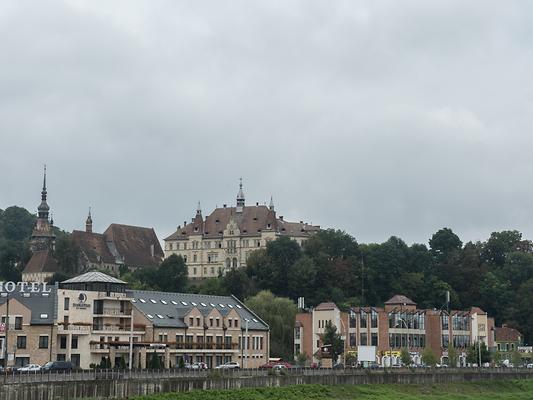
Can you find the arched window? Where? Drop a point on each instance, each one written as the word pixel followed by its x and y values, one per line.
pixel 228 263
pixel 234 263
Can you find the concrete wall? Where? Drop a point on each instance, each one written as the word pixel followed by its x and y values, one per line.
pixel 121 389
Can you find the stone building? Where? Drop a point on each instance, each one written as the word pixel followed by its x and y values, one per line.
pixel 119 245
pixel 29 334
pixel 399 324
pixel 225 238
pixel 42 265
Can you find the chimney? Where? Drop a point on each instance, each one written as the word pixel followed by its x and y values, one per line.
pixel 257 203
pixel 184 223
pixel 281 217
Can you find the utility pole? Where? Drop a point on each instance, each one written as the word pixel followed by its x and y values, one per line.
pixel 6 352
pixel 131 340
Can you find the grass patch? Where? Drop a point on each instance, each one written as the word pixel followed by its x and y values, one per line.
pixel 494 390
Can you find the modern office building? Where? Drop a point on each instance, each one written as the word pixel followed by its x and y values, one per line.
pixel 399 324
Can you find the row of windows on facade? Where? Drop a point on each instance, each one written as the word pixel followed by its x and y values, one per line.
pixel 22 341
pixel 505 346
pixel 404 320
pixel 459 322
pixel 257 342
pixel 230 245
pixel 232 323
pixel 213 258
pixel 459 341
pixel 17 325
pixel 363 317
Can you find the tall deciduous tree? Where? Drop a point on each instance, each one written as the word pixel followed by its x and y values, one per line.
pixel 172 274
pixel 280 314
pixel 333 338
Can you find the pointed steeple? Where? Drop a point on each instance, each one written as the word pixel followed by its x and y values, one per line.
pixel 271 205
pixel 240 198
pixel 43 208
pixel 89 223
pixel 198 209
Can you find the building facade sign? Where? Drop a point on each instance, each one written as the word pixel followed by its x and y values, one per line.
pixel 81 304
pixel 24 287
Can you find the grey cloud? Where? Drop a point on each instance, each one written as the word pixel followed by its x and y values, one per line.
pixel 379 117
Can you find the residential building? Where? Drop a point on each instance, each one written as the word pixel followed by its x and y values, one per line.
pixel 225 238
pixel 507 341
pixel 399 324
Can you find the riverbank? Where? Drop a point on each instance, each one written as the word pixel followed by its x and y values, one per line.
pixel 493 390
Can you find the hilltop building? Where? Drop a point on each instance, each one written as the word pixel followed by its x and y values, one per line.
pixel 225 238
pixel 42 264
pixel 119 245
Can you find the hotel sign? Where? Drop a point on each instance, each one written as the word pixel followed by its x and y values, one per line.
pixel 81 304
pixel 24 287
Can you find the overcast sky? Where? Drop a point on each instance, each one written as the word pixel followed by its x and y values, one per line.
pixel 376 117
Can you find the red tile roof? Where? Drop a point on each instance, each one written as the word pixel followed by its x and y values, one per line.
pixel 41 261
pixel 325 306
pixel 506 334
pixel 400 299
pixel 251 222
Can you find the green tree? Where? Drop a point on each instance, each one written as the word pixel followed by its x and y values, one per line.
pixel 444 244
pixel 302 279
pixel 516 359
pixel 499 244
pixel 67 255
pixel 473 352
pixel 236 282
pixel 453 358
pixel 428 357
pixel 172 274
pixel 155 362
pixel 16 223
pixel 333 338
pixel 121 363
pixel 280 314
pixel 405 357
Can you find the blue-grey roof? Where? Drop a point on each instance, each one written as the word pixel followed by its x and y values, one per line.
pixel 168 309
pixel 94 276
pixel 43 307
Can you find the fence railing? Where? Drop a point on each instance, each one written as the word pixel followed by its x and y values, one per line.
pixel 14 377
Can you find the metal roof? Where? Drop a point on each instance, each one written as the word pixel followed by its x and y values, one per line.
pixel 43 306
pixel 174 306
pixel 94 276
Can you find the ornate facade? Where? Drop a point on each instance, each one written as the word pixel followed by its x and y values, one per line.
pixel 225 238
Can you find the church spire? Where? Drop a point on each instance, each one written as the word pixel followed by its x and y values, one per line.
pixel 43 208
pixel 271 205
pixel 198 209
pixel 240 198
pixel 89 223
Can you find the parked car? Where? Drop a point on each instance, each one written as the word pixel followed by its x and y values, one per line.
pixel 30 368
pixel 198 365
pixel 228 365
pixel 338 366
pixel 529 366
pixel 272 364
pixel 57 366
pixel 279 367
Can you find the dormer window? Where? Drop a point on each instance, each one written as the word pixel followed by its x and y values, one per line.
pixel 269 226
pixel 196 229
pixel 217 220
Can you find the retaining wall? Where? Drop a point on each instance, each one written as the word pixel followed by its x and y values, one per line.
pixel 124 388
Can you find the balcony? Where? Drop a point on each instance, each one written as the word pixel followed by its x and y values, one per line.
pixel 76 328
pixel 113 312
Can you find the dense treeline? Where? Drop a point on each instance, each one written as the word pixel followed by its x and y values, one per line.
pixel 496 275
